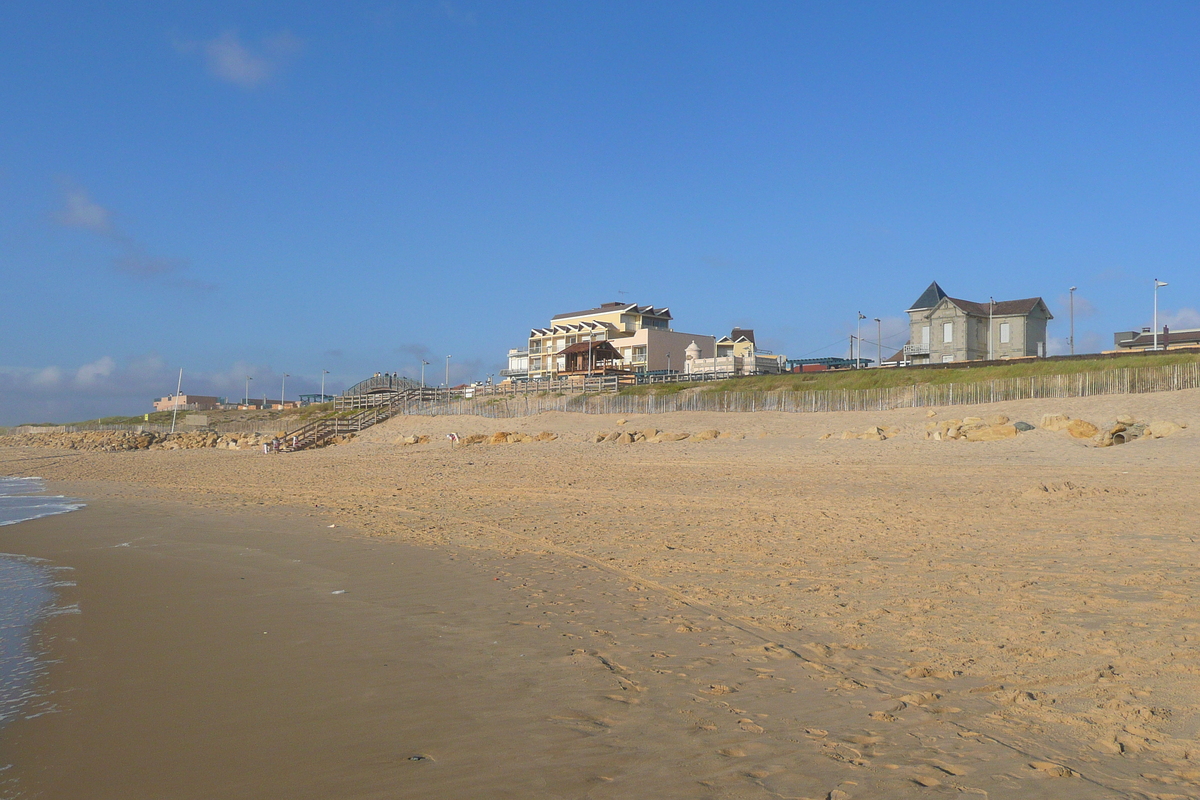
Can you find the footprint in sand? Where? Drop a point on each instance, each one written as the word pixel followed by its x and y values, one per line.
pixel 1053 770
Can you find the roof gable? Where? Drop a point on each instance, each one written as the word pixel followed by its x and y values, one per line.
pixel 612 308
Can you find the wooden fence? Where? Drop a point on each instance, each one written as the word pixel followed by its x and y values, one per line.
pixel 1138 380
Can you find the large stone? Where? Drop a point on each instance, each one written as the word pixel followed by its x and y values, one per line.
pixel 499 437
pixel 705 436
pixel 999 419
pixel 874 434
pixel 624 438
pixel 546 436
pixel 1022 426
pixel 1055 422
pixel 1162 427
pixel 1081 429
pixel 1126 419
pixel 990 433
pixel 673 437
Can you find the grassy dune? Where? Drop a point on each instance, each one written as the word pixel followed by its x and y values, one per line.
pixel 881 378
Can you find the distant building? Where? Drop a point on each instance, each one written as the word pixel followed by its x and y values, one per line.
pixel 518 365
pixel 822 364
pixel 738 355
pixel 188 402
pixel 1167 339
pixel 944 329
pixel 641 337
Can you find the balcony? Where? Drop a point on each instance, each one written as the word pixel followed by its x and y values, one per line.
pixel 916 349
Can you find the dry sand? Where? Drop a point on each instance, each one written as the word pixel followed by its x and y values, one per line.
pixel 774 615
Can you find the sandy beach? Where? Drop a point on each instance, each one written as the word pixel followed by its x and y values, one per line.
pixel 768 614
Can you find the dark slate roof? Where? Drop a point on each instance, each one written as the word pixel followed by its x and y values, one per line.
pixel 1001 308
pixel 929 298
pixel 608 308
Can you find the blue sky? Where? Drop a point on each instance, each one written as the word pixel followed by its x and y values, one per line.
pixel 259 188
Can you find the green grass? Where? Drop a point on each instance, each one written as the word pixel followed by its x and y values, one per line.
pixel 887 378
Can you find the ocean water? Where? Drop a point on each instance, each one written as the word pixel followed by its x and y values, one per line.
pixel 27 597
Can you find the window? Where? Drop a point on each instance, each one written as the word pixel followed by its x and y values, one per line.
pixel 1005 333
pixel 570 340
pixel 947 332
pixel 925 336
pixel 947 359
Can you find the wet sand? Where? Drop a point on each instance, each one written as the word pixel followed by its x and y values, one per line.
pixel 773 615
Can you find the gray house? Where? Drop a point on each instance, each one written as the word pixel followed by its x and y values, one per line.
pixel 943 328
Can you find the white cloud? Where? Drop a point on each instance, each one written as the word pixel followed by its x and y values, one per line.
pixel 229 58
pixel 47 377
pixel 1182 318
pixel 81 211
pixel 89 374
pixel 456 14
pixel 108 387
pixel 1083 306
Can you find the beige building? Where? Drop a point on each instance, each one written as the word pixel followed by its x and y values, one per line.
pixel 187 402
pixel 945 329
pixel 641 335
pixel 737 354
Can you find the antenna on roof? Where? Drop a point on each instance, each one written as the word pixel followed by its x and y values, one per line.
pixel 622 291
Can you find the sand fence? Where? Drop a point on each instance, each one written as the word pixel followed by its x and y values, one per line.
pixel 1138 380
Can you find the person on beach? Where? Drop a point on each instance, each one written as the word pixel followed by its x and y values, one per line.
pixel 266 448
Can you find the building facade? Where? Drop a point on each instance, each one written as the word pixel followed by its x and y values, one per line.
pixel 945 329
pixel 1145 339
pixel 641 335
pixel 187 402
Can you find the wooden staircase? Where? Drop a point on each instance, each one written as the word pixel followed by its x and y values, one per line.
pixel 321 430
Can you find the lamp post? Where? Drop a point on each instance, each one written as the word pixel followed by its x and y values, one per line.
pixel 424 364
pixel 248 379
pixel 1071 339
pixel 283 390
pixel 324 372
pixel 858 360
pixel 447 377
pixel 1157 283
pixel 878 342
pixel 178 389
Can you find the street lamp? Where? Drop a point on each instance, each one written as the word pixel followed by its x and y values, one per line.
pixel 1157 283
pixel 283 389
pixel 248 379
pixel 424 364
pixel 447 376
pixel 324 372
pixel 858 361
pixel 1072 337
pixel 879 342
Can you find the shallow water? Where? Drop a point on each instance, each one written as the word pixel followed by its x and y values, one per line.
pixel 26 598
